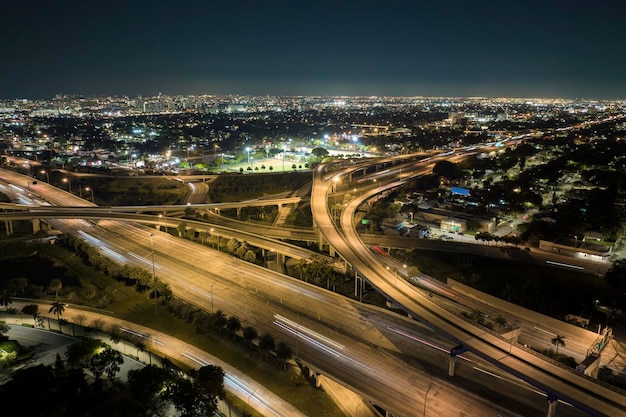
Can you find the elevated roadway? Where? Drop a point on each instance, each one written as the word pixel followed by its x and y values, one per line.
pixel 558 381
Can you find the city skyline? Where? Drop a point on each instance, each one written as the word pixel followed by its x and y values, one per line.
pixel 313 48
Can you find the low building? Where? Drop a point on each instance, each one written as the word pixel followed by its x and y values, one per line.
pixel 451 224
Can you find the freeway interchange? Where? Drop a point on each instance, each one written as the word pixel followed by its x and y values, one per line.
pixel 391 360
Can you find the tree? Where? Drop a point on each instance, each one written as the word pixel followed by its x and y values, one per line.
pixel 55 286
pixel 191 398
pixel 32 309
pixel 17 284
pixel 4 328
pixel 283 353
pixel 557 341
pixel 266 344
pixel 500 321
pixel 319 152
pixel 249 256
pixel 140 346
pixel 148 384
pixel 414 271
pixel 5 299
pixel 250 334
pixel 232 245
pixel 616 279
pixel 212 377
pixel 81 352
pixel 57 308
pixel 233 325
pixel 447 169
pixel 219 320
pixel 106 362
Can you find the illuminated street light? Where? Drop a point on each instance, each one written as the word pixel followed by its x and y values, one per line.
pixel 69 183
pixel 248 150
pixel 90 189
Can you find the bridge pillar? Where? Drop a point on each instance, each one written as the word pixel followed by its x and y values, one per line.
pixel 451 365
pixel 318 382
pixel 36 225
pixel 320 240
pixel 331 251
pixel 8 224
pixel 552 402
pixel 238 211
pixel 454 352
pixel 280 262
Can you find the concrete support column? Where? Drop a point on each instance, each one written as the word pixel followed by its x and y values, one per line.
pixel 158 227
pixel 331 250
pixel 318 383
pixel 552 402
pixel 280 262
pixel 454 352
pixel 36 225
pixel 8 225
pixel 320 240
pixel 451 364
pixel 238 211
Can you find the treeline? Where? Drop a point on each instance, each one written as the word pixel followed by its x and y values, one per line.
pixel 85 383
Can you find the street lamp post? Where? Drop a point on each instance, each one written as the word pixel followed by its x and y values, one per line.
pixel 251 394
pixel 153 273
pixel 284 150
pixel 69 183
pixel 298 338
pixel 90 189
pixel 426 395
pixel 47 175
pixel 214 282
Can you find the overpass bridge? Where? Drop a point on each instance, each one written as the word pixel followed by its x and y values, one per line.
pixel 558 381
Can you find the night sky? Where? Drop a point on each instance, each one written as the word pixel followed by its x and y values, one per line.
pixel 536 48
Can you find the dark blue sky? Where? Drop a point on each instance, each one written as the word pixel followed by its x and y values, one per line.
pixel 530 48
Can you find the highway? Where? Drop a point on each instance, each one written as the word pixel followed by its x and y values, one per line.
pixel 374 351
pixel 587 394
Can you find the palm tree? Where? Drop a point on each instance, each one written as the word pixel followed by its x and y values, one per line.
pixel 219 320
pixel 283 353
pixel 266 344
pixel 55 285
pixel 57 308
pixel 140 346
pixel 233 325
pixel 5 299
pixel 250 335
pixel 500 321
pixel 557 341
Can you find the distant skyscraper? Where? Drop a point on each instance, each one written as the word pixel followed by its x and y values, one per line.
pixel 140 104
